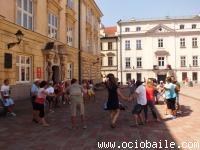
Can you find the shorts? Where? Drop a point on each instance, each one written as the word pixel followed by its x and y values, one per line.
pixel 40 108
pixel 8 102
pixel 171 104
pixel 74 105
pixel 137 109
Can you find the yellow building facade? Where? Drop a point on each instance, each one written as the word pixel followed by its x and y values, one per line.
pixel 49 48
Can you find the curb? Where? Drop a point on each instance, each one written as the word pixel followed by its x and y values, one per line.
pixel 190 97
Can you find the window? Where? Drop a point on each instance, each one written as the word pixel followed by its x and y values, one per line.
pixel 184 76
pixel 160 42
pixel 194 76
pixel 139 76
pixel 182 42
pixel 101 46
pixel 109 45
pixel 138 29
pixel 138 45
pixel 195 61
pixel 53 26
pixel 70 34
pixel 161 61
pixel 183 61
pixel 194 26
pixel 23 68
pixel 128 62
pixel 25 13
pixel 128 77
pixel 139 62
pixel 182 26
pixel 110 61
pixel 69 71
pixel 127 45
pixel 70 4
pixel 127 29
pixel 194 42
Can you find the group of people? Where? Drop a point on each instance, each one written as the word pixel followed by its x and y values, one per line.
pixel 43 92
pixel 146 94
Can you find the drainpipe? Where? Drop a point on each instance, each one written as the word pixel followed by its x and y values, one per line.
pixel 79 41
pixel 120 35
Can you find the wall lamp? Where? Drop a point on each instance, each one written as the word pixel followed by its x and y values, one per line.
pixel 96 61
pixel 19 36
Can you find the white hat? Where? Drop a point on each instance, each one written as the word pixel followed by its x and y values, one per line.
pixel 36 80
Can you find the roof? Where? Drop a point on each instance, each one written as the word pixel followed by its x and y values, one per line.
pixel 110 30
pixel 166 18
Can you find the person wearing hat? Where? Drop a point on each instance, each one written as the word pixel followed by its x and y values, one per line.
pixel 34 92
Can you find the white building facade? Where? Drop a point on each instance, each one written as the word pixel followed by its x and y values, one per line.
pixel 109 51
pixel 157 48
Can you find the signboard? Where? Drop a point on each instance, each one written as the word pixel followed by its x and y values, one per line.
pixel 38 72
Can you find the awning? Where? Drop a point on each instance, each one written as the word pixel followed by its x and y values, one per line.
pixel 110 54
pixel 49 46
pixel 162 53
pixel 102 55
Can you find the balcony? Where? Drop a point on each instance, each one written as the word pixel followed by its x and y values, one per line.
pixel 155 67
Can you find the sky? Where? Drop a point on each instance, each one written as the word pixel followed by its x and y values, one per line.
pixel 114 10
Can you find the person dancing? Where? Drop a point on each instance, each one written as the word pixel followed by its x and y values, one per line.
pixel 113 101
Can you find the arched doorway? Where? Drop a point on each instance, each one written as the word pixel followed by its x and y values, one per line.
pixel 56 74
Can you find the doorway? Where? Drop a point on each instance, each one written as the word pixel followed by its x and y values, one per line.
pixel 56 74
pixel 161 78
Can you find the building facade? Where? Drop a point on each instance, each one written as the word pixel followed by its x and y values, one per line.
pixel 49 48
pixel 156 48
pixel 109 51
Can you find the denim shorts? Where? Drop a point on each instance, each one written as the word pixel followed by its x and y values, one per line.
pixel 8 102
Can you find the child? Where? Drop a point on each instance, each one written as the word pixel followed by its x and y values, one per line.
pixel 7 101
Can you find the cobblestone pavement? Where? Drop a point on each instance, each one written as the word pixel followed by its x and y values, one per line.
pixel 19 133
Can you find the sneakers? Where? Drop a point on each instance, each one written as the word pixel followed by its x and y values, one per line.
pixel 13 114
pixel 170 117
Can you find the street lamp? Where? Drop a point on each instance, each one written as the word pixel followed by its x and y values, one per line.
pixel 19 36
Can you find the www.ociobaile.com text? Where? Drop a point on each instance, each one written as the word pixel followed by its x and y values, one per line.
pixel 147 144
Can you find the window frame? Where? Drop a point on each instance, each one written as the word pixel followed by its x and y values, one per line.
pixel 139 62
pixel 161 61
pixel 127 62
pixel 127 45
pixel 110 45
pixel 182 43
pixel 194 42
pixel 23 12
pixel 160 43
pixel 181 26
pixel 110 61
pixel 138 44
pixel 182 61
pixel 195 61
pixel 53 25
pixel 24 65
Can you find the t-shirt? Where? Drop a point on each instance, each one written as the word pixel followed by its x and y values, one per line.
pixel 141 97
pixel 75 92
pixel 50 90
pixel 150 93
pixel 6 90
pixel 170 90
pixel 41 96
pixel 34 89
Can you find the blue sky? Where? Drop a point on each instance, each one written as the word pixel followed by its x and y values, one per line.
pixel 115 10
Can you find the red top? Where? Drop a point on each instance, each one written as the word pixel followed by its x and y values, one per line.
pixel 150 93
